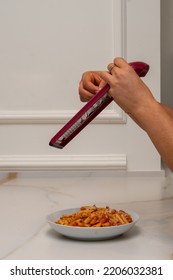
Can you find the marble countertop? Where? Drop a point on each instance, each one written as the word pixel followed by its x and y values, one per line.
pixel 25 202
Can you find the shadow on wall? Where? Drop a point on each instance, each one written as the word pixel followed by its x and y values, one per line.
pixel 167 52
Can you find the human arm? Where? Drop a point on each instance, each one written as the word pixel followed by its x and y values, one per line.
pixel 135 98
pixel 168 109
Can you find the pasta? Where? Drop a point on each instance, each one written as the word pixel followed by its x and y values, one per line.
pixel 92 216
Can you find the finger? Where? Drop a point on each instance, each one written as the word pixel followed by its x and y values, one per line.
pixel 120 62
pixel 110 67
pixel 90 87
pixel 102 84
pixel 83 99
pixel 84 94
pixel 97 80
pixel 107 77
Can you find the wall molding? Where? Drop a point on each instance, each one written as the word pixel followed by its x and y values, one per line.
pixel 112 114
pixel 65 162
pixel 120 27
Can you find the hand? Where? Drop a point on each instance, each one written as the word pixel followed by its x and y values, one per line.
pixel 126 88
pixel 135 98
pixel 90 84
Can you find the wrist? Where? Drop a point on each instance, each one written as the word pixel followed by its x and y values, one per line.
pixel 148 113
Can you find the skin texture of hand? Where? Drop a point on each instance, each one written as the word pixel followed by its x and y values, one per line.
pixel 126 88
pixel 90 84
pixel 135 98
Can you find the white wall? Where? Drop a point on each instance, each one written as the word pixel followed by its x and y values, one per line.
pixel 45 47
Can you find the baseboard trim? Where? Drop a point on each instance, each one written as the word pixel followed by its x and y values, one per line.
pixel 65 162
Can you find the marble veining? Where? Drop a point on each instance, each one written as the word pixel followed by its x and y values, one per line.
pixel 25 201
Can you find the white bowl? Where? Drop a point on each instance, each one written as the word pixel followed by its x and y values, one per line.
pixel 89 233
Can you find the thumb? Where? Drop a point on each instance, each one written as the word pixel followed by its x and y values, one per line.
pixel 102 84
